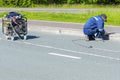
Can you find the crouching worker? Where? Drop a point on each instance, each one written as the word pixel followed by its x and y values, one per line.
pixel 94 27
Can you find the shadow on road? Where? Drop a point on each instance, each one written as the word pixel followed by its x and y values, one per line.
pixel 32 37
pixel 28 37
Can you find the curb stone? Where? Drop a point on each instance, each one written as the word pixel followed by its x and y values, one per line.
pixel 66 31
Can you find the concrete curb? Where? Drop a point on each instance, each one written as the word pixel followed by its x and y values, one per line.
pixel 66 31
pixel 56 30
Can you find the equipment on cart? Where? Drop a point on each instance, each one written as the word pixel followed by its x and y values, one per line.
pixel 13 25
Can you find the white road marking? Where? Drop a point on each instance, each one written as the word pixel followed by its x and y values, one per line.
pixel 62 55
pixel 84 53
pixel 100 49
pixel 106 50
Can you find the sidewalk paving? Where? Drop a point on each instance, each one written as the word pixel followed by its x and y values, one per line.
pixel 69 28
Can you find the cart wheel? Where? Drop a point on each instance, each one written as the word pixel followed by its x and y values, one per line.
pixel 7 37
pixel 25 37
pixel 12 38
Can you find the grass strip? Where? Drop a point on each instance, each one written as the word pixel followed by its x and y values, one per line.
pixel 113 16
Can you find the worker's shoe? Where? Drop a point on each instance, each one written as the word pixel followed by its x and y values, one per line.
pixel 89 37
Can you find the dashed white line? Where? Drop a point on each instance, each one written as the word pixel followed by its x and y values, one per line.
pixel 84 53
pixel 67 56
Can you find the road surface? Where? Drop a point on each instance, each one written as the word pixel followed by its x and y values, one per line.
pixel 47 56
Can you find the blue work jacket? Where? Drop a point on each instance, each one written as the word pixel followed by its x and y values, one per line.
pixel 93 25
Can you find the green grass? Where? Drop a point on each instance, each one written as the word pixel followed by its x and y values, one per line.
pixel 65 6
pixel 113 16
pixel 78 6
pixel 112 13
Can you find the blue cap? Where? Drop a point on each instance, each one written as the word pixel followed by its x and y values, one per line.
pixel 105 16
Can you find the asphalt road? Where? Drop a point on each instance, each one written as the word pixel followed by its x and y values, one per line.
pixel 47 56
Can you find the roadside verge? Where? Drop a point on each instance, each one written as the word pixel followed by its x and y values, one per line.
pixel 67 31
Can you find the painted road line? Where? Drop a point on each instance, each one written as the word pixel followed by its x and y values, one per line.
pixel 107 50
pixel 67 50
pixel 67 56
